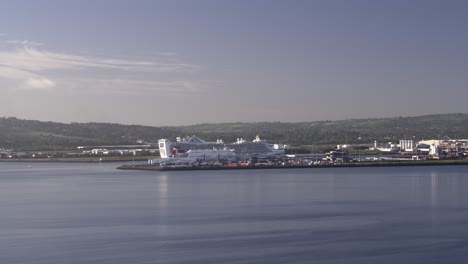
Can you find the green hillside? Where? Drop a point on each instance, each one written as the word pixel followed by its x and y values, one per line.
pixel 34 135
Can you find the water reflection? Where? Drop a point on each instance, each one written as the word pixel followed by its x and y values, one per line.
pixel 162 197
pixel 434 189
pixel 163 189
pixel 95 214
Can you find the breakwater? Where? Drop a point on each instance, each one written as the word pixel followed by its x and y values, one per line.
pixel 295 166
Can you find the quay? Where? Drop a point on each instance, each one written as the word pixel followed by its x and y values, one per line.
pixel 296 166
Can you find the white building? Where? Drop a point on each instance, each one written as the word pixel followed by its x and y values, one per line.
pixel 406 145
pixel 281 146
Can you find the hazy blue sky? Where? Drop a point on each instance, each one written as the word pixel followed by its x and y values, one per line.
pixel 186 62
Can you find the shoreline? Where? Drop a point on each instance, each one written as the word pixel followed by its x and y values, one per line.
pixel 347 165
pixel 81 160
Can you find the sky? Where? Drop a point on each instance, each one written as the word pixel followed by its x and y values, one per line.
pixel 173 62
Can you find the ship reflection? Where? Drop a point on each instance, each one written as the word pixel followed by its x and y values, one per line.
pixel 163 185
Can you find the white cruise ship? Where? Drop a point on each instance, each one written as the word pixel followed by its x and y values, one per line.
pixel 243 150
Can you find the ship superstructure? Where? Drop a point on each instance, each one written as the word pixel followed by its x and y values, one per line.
pixel 243 150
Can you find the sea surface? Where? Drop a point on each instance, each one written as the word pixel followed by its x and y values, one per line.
pixel 92 213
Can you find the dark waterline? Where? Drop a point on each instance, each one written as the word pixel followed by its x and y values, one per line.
pixel 93 213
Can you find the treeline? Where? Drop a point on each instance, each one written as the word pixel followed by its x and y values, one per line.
pixel 36 135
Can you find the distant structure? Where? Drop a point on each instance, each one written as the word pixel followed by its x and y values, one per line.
pixel 281 146
pixel 243 149
pixel 450 148
pixel 406 145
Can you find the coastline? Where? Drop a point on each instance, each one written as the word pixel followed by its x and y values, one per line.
pixel 81 160
pixel 346 165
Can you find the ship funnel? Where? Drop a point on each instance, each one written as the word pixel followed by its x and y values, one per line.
pixel 164 148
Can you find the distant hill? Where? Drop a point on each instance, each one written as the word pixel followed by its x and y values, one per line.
pixel 36 135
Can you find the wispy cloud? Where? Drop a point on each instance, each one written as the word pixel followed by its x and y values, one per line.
pixel 15 74
pixel 25 43
pixel 136 87
pixel 168 54
pixel 36 60
pixel 36 69
pixel 38 84
pixel 26 80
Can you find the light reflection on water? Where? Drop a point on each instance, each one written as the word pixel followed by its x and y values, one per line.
pixel 92 213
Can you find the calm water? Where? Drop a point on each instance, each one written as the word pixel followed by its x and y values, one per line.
pixel 92 213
